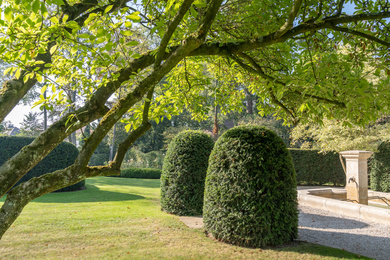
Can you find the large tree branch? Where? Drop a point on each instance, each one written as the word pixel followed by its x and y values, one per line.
pixel 291 17
pixel 267 40
pixel 170 30
pixel 21 195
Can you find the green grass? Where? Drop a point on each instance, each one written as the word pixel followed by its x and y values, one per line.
pixel 117 218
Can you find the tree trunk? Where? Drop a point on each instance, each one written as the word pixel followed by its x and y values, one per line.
pixel 249 102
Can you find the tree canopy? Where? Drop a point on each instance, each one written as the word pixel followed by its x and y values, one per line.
pixel 164 56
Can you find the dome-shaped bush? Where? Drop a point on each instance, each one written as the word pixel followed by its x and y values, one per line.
pixel 380 168
pixel 184 173
pixel 250 192
pixel 61 157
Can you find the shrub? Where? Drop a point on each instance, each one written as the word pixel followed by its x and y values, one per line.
pixel 184 173
pixel 380 168
pixel 314 168
pixel 250 193
pixel 141 173
pixel 61 157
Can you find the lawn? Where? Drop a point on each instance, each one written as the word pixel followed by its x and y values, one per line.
pixel 116 218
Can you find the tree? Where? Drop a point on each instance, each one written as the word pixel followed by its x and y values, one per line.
pixel 31 125
pixel 283 52
pixel 334 136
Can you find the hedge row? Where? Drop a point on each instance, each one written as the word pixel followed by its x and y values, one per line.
pixel 380 168
pixel 141 173
pixel 314 168
pixel 61 157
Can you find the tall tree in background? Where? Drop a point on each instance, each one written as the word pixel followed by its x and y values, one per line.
pixel 31 126
pixel 285 52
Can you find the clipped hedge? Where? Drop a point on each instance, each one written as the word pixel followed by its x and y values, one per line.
pixel 61 157
pixel 141 173
pixel 314 168
pixel 184 172
pixel 380 168
pixel 250 193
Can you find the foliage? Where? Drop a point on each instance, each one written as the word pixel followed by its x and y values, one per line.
pixel 31 125
pixel 61 157
pixel 184 173
pixel 315 168
pixel 140 173
pixel 136 158
pixel 277 126
pixel 101 154
pixel 334 136
pixel 287 54
pixel 250 193
pixel 380 168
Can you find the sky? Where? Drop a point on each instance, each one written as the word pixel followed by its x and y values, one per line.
pixel 17 114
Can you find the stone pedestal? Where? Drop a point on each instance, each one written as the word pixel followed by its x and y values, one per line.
pixel 357 177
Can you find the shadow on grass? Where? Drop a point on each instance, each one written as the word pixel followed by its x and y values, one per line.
pixel 305 248
pixel 142 183
pixel 90 194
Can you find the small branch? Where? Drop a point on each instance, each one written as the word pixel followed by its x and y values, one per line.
pixel 135 134
pixel 170 30
pixel 340 7
pixel 311 63
pixel 364 35
pixel 290 20
pixel 261 73
pixel 280 104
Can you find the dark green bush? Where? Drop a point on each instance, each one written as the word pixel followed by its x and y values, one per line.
pixel 184 173
pixel 250 193
pixel 61 157
pixel 141 173
pixel 380 168
pixel 314 168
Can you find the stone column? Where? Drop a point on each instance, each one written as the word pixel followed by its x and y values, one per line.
pixel 357 177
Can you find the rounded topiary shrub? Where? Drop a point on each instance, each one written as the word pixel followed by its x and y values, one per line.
pixel 61 157
pixel 250 192
pixel 380 168
pixel 184 173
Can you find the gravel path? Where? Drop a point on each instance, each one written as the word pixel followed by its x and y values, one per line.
pixel 354 235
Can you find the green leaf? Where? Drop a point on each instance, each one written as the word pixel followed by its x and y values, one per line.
pixel 8 70
pixel 8 14
pixel 43 89
pixel 39 77
pixel 17 73
pixel 108 8
pixel 132 43
pixel 35 6
pixel 53 49
pixel 54 20
pixel 89 19
pixel 126 33
pixel 134 17
pixel 200 3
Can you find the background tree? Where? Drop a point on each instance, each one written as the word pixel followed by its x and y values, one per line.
pixel 31 125
pixel 332 135
pixel 284 53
